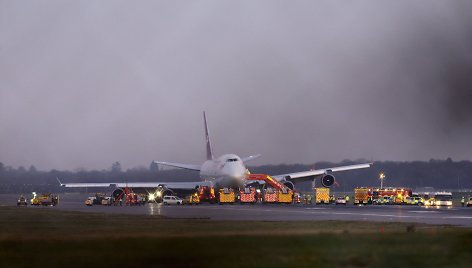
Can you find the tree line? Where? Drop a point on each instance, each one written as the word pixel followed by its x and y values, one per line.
pixel 440 174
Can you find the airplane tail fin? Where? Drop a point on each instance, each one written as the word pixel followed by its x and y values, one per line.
pixel 207 137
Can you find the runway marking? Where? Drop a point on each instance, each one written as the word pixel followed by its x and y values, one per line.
pixel 374 215
pixel 326 212
pixel 422 211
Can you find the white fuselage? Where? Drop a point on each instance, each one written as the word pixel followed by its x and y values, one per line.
pixel 226 170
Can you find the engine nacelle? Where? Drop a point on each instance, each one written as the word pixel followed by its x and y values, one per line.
pixel 289 184
pixel 327 180
pixel 167 192
pixel 117 193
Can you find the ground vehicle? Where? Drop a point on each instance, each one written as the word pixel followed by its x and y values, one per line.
pixel 44 200
pixel 127 196
pixel 322 195
pixel 382 200
pixel 394 195
pixel 90 201
pixel 192 199
pixel 443 199
pixel 106 201
pixel 132 199
pixel 247 195
pixel 427 198
pixel 207 193
pixel 429 201
pixel 226 196
pixel 361 196
pixel 340 201
pixel 397 200
pixel 419 201
pixel 22 201
pixel 285 196
pixel 409 201
pixel 98 199
pixel 469 203
pixel 270 195
pixel 172 200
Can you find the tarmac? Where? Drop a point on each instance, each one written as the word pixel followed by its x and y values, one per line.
pixel 458 216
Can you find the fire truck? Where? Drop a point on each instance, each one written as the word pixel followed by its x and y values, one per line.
pixel 248 195
pixel 128 197
pixel 369 195
pixel 226 196
pixel 361 195
pixel 207 194
pixel 322 195
pixel 397 195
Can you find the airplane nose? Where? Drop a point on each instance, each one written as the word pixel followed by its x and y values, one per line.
pixel 235 172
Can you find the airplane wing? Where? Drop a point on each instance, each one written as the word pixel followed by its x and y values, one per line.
pixel 179 165
pixel 135 185
pixel 311 174
pixel 251 157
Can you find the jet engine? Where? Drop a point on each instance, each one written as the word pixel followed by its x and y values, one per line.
pixel 289 184
pixel 167 192
pixel 327 180
pixel 117 193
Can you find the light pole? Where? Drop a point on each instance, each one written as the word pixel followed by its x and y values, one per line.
pixel 381 178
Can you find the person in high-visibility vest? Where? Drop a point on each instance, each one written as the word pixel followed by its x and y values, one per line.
pixel 347 199
pixel 462 201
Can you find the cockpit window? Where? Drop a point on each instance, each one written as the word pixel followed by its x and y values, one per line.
pixel 232 160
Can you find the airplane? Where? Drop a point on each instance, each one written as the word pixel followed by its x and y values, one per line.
pixel 228 170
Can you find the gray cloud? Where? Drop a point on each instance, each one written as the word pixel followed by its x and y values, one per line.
pixel 84 84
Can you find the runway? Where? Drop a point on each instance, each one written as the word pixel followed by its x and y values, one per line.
pixel 459 216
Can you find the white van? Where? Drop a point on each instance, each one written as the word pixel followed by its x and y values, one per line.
pixel 172 200
pixel 443 199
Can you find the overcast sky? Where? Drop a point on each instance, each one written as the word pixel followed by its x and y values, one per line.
pixel 86 83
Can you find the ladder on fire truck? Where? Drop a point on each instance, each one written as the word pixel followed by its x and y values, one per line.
pixel 126 191
pixel 269 180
